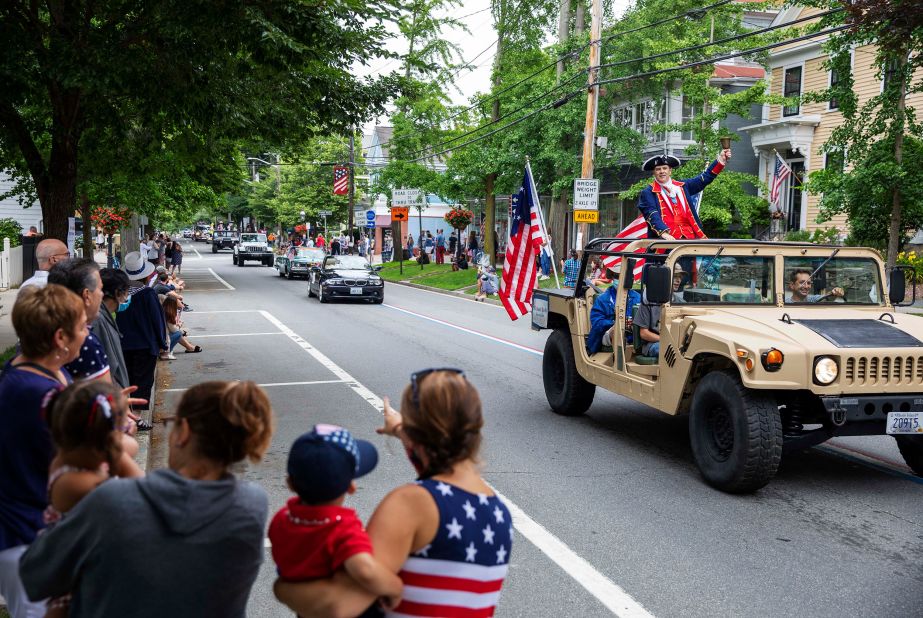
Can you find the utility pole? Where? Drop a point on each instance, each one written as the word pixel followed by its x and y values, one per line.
pixel 352 182
pixel 592 102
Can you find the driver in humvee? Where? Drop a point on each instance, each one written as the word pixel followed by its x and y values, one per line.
pixel 800 285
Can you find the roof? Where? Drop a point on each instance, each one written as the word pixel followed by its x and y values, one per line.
pixel 726 71
pixel 382 137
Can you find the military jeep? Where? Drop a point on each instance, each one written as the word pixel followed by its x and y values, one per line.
pixel 768 347
pixel 253 247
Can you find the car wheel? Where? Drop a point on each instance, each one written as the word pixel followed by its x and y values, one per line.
pixel 911 447
pixel 234 259
pixel 310 290
pixel 214 249
pixel 378 301
pixel 240 261
pixel 567 392
pixel 735 432
pixel 320 293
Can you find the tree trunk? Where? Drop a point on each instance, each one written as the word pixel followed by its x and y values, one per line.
pixel 563 32
pixel 580 17
pixel 894 230
pixel 62 194
pixel 89 243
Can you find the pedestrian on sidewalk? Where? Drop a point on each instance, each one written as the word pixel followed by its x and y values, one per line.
pixel 429 245
pixel 115 299
pixel 487 283
pixel 175 331
pixel 571 269
pixel 47 253
pixel 177 266
pixel 450 519
pixel 51 325
pixel 472 246
pixel 440 247
pixel 182 541
pixel 335 246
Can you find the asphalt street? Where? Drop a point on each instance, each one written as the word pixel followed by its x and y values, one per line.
pixel 611 515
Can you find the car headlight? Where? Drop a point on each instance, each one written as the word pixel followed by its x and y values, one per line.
pixel 375 280
pixel 334 281
pixel 825 370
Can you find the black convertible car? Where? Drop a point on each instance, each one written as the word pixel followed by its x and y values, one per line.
pixel 346 276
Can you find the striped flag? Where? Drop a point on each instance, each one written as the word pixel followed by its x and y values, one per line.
pixel 523 244
pixel 632 232
pixel 781 172
pixel 340 180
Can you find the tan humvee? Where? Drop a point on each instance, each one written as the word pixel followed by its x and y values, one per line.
pixel 769 347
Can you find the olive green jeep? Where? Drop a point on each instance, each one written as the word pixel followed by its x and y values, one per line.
pixel 769 347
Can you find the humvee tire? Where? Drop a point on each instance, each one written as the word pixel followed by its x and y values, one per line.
pixel 567 392
pixel 735 433
pixel 911 447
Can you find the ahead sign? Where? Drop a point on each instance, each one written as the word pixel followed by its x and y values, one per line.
pixel 586 194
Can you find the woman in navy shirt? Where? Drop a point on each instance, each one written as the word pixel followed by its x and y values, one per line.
pixel 51 324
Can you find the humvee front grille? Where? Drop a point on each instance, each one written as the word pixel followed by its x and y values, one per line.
pixel 883 370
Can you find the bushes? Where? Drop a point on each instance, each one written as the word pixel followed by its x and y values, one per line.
pixel 914 260
pixel 10 228
pixel 820 236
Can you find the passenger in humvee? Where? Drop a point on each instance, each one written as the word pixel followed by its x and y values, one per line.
pixel 602 315
pixel 648 321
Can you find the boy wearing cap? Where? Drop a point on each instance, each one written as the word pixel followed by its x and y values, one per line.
pixel 314 535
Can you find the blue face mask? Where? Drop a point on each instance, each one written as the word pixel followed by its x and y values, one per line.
pixel 124 306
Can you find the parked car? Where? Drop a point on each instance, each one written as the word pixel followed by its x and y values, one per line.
pixel 253 247
pixel 223 239
pixel 298 261
pixel 346 276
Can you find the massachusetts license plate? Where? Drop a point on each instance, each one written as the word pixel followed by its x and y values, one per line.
pixel 905 422
pixel 355 290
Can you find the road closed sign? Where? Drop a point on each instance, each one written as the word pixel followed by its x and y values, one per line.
pixel 399 213
pixel 405 197
pixel 586 194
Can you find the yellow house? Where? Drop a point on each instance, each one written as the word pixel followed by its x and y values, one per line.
pixel 798 132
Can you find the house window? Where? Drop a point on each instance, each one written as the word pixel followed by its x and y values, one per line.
pixel 648 114
pixel 691 111
pixel 834 161
pixel 835 78
pixel 791 87
pixel 621 117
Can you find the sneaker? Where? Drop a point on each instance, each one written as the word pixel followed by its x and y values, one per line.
pixel 544 278
pixel 167 357
pixel 186 307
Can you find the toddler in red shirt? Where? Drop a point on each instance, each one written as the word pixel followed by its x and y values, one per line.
pixel 314 535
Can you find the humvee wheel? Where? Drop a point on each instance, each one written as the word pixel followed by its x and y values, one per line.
pixel 567 392
pixel 735 432
pixel 911 447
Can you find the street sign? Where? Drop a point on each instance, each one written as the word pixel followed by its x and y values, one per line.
pixel 370 225
pixel 370 215
pixel 399 213
pixel 586 194
pixel 405 197
pixel 324 213
pixel 586 216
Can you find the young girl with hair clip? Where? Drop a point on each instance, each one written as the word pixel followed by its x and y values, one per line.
pixel 87 422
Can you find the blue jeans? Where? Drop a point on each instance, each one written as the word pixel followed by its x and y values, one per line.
pixel 653 349
pixel 174 339
pixel 545 263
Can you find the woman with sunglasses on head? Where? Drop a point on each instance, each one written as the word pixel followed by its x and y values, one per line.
pixel 200 543
pixel 448 536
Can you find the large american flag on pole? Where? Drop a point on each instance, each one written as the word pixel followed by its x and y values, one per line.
pixel 781 172
pixel 523 245
pixel 632 232
pixel 340 180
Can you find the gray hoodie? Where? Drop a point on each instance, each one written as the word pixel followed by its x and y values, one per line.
pixel 163 545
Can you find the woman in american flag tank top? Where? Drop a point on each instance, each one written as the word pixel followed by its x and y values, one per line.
pixel 448 536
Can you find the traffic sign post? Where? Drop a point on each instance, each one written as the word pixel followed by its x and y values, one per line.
pixel 586 200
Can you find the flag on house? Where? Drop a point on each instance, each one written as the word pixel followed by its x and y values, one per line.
pixel 524 242
pixel 781 172
pixel 632 232
pixel 340 180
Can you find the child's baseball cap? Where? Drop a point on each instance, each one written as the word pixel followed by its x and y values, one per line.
pixel 323 462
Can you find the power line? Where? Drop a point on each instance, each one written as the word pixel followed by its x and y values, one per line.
pixel 695 13
pixel 470 62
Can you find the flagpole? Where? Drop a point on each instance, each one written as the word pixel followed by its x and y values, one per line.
pixel 541 220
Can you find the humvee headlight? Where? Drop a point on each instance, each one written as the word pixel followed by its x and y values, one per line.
pixel 825 370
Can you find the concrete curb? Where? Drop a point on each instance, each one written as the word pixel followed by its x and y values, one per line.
pixel 144 437
pixel 446 292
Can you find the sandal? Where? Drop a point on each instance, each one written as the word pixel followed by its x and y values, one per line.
pixel 144 425
pixel 194 350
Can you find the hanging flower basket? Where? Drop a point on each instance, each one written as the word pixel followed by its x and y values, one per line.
pixel 459 218
pixel 109 219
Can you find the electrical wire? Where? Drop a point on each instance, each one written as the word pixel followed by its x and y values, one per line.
pixel 660 22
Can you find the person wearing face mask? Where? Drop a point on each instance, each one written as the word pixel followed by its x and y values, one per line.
pixel 667 205
pixel 115 300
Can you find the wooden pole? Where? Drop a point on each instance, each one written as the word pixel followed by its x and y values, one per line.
pixel 592 102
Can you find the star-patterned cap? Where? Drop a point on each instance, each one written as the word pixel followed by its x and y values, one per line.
pixel 661 159
pixel 323 462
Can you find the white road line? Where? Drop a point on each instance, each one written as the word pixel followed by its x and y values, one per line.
pixel 612 596
pixel 607 592
pixel 216 276
pixel 268 384
pixel 195 336
pixel 467 330
pixel 192 246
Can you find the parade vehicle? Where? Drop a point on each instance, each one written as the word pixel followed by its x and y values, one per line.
pixel 202 233
pixel 253 247
pixel 224 239
pixel 298 261
pixel 768 347
pixel 187 233
pixel 346 276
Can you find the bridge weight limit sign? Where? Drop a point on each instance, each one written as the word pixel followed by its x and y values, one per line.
pixel 586 200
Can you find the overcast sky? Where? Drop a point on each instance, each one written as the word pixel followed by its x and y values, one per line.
pixel 477 47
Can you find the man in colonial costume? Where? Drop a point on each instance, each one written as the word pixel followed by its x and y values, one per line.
pixel 667 204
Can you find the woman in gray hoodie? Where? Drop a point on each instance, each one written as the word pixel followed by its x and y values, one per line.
pixel 201 530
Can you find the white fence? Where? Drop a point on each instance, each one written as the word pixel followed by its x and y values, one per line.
pixel 10 265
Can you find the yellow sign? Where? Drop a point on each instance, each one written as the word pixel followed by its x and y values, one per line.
pixel 399 213
pixel 586 216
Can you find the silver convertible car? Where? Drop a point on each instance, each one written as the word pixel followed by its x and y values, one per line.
pixel 298 261
pixel 346 276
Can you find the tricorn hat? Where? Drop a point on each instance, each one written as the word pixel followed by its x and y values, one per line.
pixel 661 159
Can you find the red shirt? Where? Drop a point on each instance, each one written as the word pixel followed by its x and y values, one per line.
pixel 309 542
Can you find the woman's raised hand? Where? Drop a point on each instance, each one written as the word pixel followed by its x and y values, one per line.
pixel 392 419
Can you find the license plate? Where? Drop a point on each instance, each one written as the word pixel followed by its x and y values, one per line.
pixel 355 290
pixel 905 422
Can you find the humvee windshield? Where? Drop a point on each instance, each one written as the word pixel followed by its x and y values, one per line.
pixel 834 280
pixel 253 238
pixel 723 279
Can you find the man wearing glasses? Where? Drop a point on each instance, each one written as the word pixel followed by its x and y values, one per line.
pixel 47 253
pixel 800 286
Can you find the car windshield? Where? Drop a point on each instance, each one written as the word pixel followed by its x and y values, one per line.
pixel 350 262
pixel 832 280
pixel 311 254
pixel 723 279
pixel 225 234
pixel 253 238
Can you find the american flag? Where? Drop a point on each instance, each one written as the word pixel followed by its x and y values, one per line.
pixel 779 175
pixel 523 245
pixel 340 180
pixel 632 232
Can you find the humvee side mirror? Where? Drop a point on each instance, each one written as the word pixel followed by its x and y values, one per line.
pixel 658 283
pixel 897 284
